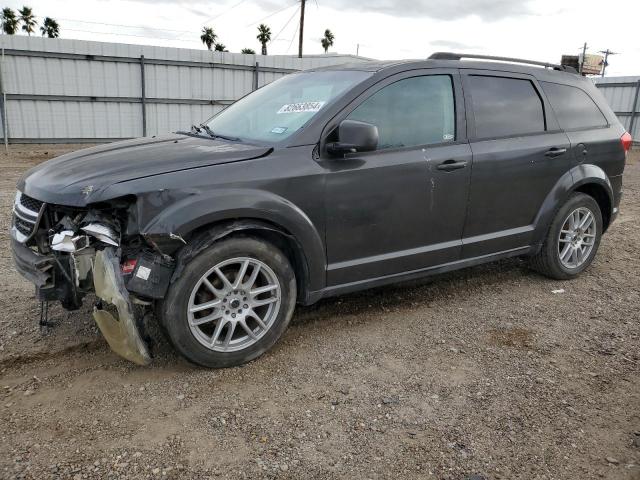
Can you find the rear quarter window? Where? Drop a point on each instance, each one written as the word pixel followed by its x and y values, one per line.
pixel 505 107
pixel 573 107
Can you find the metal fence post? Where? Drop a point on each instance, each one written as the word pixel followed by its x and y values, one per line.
pixel 256 68
pixel 5 127
pixel 143 98
pixel 634 109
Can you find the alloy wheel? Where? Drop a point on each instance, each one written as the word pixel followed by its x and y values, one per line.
pixel 234 304
pixel 577 238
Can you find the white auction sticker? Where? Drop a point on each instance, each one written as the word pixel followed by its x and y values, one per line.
pixel 143 272
pixel 301 107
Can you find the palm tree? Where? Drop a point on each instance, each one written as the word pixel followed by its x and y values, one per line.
pixel 208 37
pixel 264 36
pixel 28 20
pixel 248 51
pixel 9 21
pixel 220 47
pixel 327 40
pixel 50 28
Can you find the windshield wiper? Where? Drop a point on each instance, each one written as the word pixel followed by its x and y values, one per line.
pixel 206 128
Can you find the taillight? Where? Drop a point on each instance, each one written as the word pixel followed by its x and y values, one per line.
pixel 626 141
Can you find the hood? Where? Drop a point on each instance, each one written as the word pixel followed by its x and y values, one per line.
pixel 77 177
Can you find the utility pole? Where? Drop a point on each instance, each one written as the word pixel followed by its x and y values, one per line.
pixel 301 28
pixel 584 52
pixel 606 52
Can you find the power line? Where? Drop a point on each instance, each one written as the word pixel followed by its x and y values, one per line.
pixel 120 25
pixel 225 12
pixel 216 16
pixel 285 25
pixel 126 35
pixel 272 14
pixel 293 37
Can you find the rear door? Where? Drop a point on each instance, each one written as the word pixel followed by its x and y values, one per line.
pixel 400 208
pixel 519 153
pixel 593 139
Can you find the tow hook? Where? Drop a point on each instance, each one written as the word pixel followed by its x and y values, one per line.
pixel 121 333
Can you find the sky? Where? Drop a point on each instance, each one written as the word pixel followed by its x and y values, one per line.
pixel 382 29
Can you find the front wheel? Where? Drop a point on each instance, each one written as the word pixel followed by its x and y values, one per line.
pixel 231 304
pixel 573 239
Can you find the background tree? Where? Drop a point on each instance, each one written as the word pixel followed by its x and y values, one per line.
pixel 9 21
pixel 28 20
pixel 264 36
pixel 220 47
pixel 327 40
pixel 208 37
pixel 248 51
pixel 50 28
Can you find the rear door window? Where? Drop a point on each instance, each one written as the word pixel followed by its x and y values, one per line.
pixel 574 109
pixel 505 107
pixel 411 112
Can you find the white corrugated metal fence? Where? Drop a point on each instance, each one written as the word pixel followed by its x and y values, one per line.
pixel 623 94
pixel 60 90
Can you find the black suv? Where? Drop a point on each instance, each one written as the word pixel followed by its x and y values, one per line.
pixel 321 183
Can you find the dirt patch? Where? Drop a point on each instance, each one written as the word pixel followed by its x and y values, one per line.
pixel 483 371
pixel 511 337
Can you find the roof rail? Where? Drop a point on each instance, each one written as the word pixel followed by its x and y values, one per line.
pixel 460 56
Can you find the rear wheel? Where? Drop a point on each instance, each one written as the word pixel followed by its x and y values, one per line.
pixel 573 239
pixel 232 303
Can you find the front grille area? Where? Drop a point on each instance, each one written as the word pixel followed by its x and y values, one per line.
pixel 26 214
pixel 30 203
pixel 22 226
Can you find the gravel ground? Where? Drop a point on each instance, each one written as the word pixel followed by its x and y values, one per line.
pixel 482 372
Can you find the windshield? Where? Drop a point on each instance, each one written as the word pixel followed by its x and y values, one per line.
pixel 277 110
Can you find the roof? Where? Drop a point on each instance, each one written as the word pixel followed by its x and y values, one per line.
pixel 370 66
pixel 504 65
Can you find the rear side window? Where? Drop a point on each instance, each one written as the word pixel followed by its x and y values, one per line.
pixel 573 107
pixel 505 106
pixel 411 112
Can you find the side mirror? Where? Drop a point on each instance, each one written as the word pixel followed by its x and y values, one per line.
pixel 354 137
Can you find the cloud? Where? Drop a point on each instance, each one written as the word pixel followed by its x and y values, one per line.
pixel 438 9
pixel 453 45
pixel 198 11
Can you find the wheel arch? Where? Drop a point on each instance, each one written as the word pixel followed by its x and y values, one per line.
pixel 205 235
pixel 201 219
pixel 600 195
pixel 589 179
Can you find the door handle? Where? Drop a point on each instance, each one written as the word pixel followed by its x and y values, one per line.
pixel 450 165
pixel 555 152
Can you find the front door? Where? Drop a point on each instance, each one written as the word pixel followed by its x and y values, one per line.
pixel 400 208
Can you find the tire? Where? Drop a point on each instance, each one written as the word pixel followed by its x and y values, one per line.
pixel 206 344
pixel 548 260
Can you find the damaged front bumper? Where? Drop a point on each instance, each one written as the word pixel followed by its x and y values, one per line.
pixel 69 252
pixel 120 330
pixel 121 333
pixel 37 268
pixel 56 278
